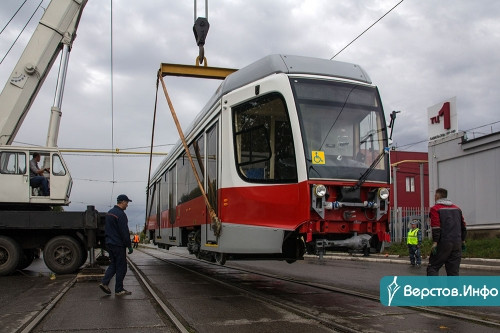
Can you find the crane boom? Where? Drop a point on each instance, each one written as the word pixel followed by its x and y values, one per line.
pixel 56 29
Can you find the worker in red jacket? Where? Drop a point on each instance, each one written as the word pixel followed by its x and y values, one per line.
pixel 448 235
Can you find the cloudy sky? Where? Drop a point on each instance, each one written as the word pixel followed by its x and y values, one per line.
pixel 420 54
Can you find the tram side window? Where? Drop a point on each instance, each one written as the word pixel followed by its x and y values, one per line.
pixel 187 186
pixel 182 178
pixel 171 193
pixel 151 205
pixel 164 193
pixel 263 140
pixel 197 151
pixel 13 163
pixel 212 161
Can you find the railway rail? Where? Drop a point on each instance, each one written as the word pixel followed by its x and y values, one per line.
pixel 260 297
pixel 198 296
pixel 472 317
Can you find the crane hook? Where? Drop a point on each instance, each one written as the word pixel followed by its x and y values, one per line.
pixel 200 29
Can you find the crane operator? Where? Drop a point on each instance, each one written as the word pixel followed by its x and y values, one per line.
pixel 37 179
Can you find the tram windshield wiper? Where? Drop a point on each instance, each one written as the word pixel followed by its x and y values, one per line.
pixel 365 175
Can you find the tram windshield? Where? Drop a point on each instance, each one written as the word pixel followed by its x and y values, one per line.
pixel 343 129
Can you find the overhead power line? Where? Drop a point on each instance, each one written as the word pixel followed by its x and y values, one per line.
pixel 20 33
pixel 121 151
pixel 17 11
pixel 112 103
pixel 345 47
pixel 109 181
pixel 409 145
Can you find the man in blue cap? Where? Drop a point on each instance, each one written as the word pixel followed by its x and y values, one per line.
pixel 117 241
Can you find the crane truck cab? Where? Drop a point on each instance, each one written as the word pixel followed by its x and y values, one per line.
pixel 28 223
pixel 15 176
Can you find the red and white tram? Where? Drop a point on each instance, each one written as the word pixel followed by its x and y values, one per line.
pixel 292 153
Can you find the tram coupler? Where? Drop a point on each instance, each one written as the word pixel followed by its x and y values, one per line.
pixel 356 243
pixel 320 247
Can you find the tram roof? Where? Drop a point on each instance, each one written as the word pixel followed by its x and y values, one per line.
pixel 287 64
pixel 291 64
pixel 279 63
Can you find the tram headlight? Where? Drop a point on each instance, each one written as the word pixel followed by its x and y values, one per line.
pixel 319 190
pixel 383 193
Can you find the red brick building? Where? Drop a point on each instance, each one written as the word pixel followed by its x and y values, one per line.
pixel 407 178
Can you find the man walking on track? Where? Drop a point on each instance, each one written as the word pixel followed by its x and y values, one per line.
pixel 117 241
pixel 448 235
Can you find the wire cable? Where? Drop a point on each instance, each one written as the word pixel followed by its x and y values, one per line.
pixel 108 181
pixel 493 123
pixel 409 145
pixel 83 148
pixel 143 147
pixel 20 33
pixel 112 110
pixel 151 151
pixel 17 11
pixel 366 29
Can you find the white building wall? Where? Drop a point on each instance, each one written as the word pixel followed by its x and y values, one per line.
pixel 470 171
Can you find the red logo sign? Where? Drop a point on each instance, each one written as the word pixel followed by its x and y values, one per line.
pixel 445 113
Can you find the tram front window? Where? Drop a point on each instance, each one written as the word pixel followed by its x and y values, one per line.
pixel 343 129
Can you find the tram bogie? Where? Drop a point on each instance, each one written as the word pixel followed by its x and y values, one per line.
pixel 292 153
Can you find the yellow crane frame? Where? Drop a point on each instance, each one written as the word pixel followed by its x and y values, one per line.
pixel 203 72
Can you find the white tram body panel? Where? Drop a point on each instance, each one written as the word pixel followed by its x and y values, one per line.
pixel 249 238
pixel 280 148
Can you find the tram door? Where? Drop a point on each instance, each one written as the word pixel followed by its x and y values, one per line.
pixel 212 162
pixel 172 205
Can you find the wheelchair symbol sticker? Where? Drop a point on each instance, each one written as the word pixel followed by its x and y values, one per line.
pixel 318 157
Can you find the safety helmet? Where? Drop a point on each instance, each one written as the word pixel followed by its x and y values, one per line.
pixel 415 221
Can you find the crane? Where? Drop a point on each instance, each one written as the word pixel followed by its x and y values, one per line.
pixel 54 34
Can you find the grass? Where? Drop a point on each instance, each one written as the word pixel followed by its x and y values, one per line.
pixel 476 248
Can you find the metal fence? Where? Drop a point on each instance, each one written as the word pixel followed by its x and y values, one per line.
pixel 400 222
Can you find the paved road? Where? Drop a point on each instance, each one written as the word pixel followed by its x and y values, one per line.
pixel 25 293
pixel 84 307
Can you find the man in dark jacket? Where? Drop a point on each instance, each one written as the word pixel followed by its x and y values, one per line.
pixel 117 241
pixel 448 235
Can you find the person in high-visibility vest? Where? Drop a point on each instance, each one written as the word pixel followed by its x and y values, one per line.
pixel 414 241
pixel 136 240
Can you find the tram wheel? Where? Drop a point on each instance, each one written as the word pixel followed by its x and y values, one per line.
pixel 376 244
pixel 220 258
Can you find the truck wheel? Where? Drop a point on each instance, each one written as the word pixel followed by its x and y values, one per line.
pixel 10 253
pixel 85 256
pixel 26 259
pixel 63 255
